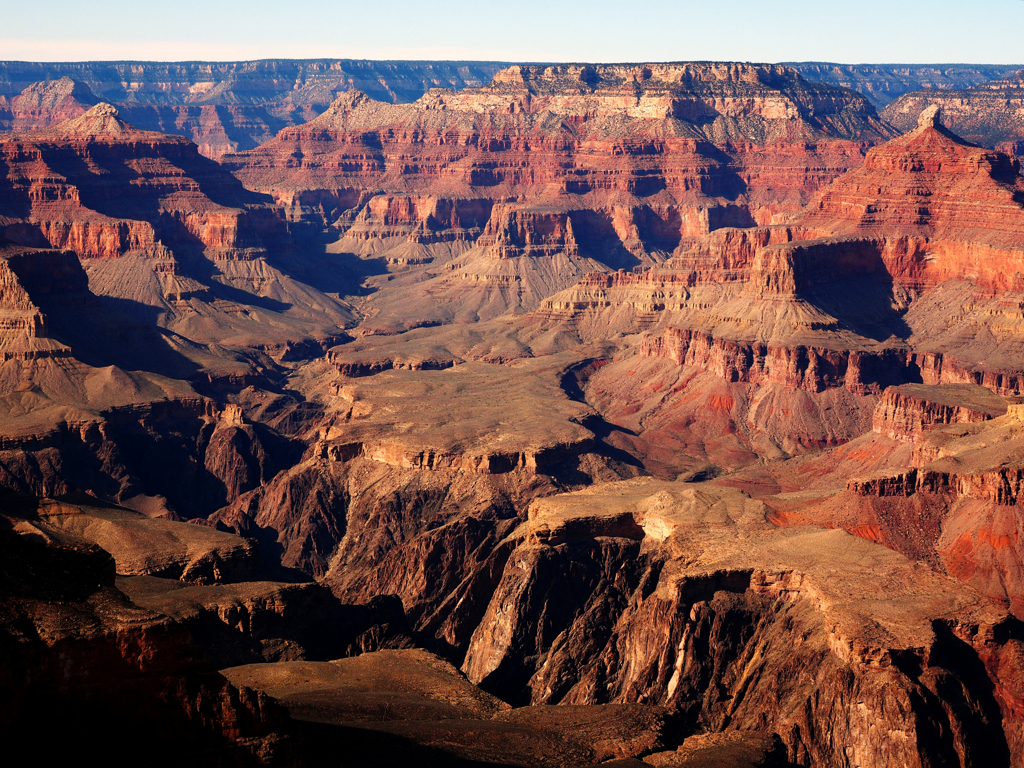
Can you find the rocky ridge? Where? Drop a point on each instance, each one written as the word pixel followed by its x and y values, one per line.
pixel 827 403
pixel 588 166
pixel 231 106
pixel 885 83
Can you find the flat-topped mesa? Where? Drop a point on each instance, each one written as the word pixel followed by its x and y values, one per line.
pixel 979 457
pixel 796 366
pixel 516 231
pixel 736 94
pixel 460 426
pixel 904 412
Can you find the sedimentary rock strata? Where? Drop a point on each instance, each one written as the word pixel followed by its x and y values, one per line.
pixel 655 414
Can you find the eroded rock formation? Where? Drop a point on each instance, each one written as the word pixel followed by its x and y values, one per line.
pixel 986 113
pixel 653 413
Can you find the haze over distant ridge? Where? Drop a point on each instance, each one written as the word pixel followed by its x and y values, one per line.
pixel 914 31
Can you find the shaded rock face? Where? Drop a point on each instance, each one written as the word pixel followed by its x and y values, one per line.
pixel 596 614
pixel 175 451
pixel 77 650
pixel 182 201
pixel 826 570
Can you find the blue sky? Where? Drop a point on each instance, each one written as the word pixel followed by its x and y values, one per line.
pixel 906 31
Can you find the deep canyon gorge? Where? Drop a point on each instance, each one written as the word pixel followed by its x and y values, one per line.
pixel 490 414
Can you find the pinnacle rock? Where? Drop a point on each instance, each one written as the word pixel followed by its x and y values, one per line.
pixel 931 117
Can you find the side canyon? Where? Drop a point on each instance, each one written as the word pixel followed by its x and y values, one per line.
pixel 468 414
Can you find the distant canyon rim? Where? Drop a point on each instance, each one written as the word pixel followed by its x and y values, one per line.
pixel 489 414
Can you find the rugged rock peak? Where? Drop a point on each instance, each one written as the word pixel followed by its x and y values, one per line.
pixel 928 182
pixel 930 118
pixel 344 104
pixel 101 122
pixel 49 93
pixel 44 104
pixel 989 113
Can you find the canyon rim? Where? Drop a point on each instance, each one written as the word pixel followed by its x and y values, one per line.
pixel 477 413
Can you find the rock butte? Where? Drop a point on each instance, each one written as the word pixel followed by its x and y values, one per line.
pixel 653 414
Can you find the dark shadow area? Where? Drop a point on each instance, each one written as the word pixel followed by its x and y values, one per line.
pixel 109 331
pixel 102 186
pixel 862 304
pixel 330 745
pixel 309 262
pixel 237 133
pixel 32 570
pixel 967 693
pixel 597 240
pixel 12 202
pixel 575 377
pixel 205 271
pixel 580 577
pixel 572 382
pixel 725 179
pixel 103 190
pixel 107 707
pixel 602 430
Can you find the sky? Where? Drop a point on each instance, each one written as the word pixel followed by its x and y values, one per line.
pixel 867 31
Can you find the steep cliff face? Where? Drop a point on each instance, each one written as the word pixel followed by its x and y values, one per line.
pixel 166 452
pixel 77 650
pixel 369 490
pixel 904 412
pixel 648 600
pixel 29 277
pixel 690 130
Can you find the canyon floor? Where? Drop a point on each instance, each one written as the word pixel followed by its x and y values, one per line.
pixel 570 415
